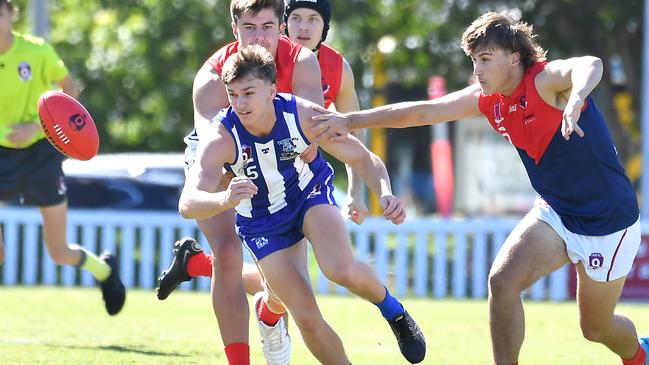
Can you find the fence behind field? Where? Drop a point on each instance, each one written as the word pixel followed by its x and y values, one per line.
pixel 422 257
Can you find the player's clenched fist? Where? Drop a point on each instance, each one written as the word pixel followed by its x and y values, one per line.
pixel 393 209
pixel 240 188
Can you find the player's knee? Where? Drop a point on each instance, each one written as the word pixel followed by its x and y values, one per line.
pixel 344 275
pixel 227 258
pixel 594 331
pixel 500 283
pixel 307 318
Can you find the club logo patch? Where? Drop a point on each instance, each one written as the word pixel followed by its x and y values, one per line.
pixel 24 71
pixel 289 151
pixel 595 260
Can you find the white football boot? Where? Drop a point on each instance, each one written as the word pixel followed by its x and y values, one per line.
pixel 275 341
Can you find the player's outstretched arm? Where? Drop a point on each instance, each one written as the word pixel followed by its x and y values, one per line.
pixel 457 105
pixel 572 79
pixel 200 198
pixel 209 96
pixel 369 166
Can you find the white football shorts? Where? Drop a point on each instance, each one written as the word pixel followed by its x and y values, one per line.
pixel 605 258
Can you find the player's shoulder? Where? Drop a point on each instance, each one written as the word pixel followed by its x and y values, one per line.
pixel 29 41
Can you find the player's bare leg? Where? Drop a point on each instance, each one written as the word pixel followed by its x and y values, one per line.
pixel 597 318
pixel 104 268
pixel 531 251
pixel 332 249
pixel 228 296
pixel 286 274
pixel 54 234
pixel 253 282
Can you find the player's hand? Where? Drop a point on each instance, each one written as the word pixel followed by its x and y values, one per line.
pixel 355 210
pixel 240 188
pixel 393 209
pixel 570 118
pixel 310 153
pixel 331 125
pixel 22 133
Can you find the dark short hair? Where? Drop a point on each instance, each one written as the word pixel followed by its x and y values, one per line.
pixel 496 30
pixel 252 60
pixel 238 7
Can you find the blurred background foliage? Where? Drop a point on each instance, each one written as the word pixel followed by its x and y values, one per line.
pixel 136 60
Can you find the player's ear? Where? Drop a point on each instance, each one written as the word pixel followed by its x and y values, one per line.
pixel 234 30
pixel 516 58
pixel 282 28
pixel 273 89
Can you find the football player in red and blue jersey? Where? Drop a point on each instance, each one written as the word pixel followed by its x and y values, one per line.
pixel 586 212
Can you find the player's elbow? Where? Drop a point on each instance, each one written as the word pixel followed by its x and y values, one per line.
pixel 186 209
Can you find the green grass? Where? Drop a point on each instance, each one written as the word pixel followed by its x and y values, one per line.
pixel 69 326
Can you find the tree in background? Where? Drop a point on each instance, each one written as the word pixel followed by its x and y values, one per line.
pixel 136 59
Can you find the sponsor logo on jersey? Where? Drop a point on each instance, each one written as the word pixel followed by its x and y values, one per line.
pixel 317 190
pixel 595 260
pixel 24 71
pixel 498 116
pixel 523 102
pixel 529 119
pixel 288 148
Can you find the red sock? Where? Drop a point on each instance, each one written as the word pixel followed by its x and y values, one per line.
pixel 638 359
pixel 238 353
pixel 200 265
pixel 266 316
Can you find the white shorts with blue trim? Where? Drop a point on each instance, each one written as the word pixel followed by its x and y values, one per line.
pixel 605 258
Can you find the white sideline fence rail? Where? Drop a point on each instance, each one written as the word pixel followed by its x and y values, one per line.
pixel 425 257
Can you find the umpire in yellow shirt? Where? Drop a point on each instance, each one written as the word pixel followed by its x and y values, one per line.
pixel 29 166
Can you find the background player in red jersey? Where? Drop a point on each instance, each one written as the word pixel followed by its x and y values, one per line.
pixel 307 23
pixel 253 22
pixel 587 212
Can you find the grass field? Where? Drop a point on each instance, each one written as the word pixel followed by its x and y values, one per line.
pixel 69 326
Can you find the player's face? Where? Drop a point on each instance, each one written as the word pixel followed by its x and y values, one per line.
pixel 262 28
pixel 252 99
pixel 305 27
pixel 495 70
pixel 6 19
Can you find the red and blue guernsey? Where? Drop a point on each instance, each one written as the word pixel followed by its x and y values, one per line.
pixel 273 163
pixel 582 178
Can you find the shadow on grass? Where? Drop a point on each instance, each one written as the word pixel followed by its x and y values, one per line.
pixel 130 349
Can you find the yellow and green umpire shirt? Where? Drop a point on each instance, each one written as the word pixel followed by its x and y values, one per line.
pixel 27 70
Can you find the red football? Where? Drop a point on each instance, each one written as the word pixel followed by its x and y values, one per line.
pixel 68 125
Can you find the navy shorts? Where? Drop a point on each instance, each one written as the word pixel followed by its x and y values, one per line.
pixel 33 174
pixel 262 245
